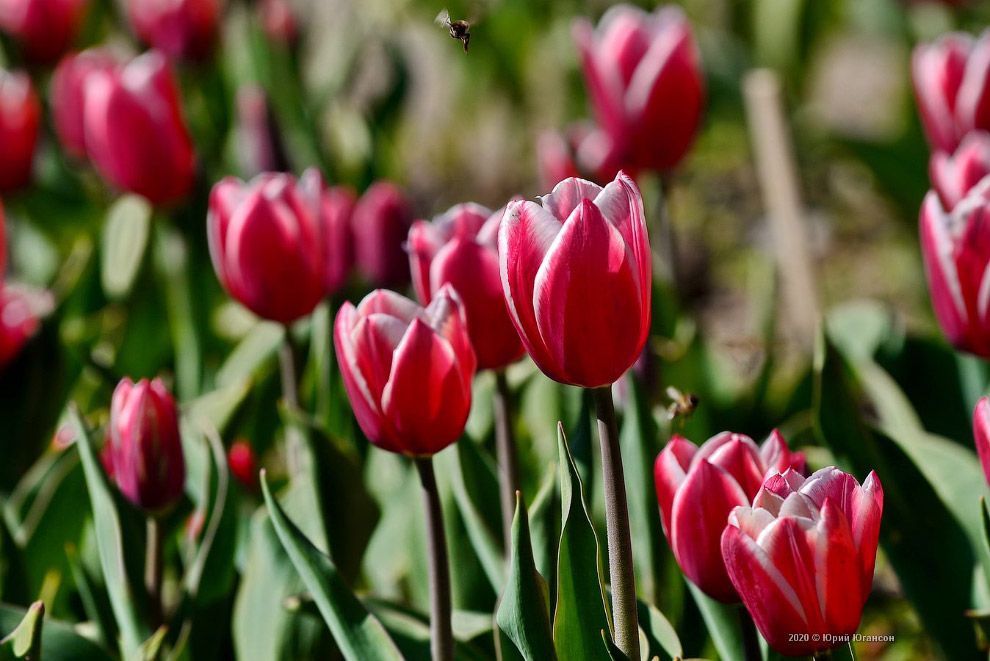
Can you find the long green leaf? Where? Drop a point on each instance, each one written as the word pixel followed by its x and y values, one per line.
pixel 660 633
pixel 722 623
pixel 24 642
pixel 125 241
pixel 59 640
pixel 357 632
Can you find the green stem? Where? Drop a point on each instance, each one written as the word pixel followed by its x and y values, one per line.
pixel 622 574
pixel 750 639
pixel 288 361
pixel 508 460
pixel 153 570
pixel 441 633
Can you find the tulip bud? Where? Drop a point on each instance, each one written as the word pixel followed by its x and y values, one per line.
pixel 577 278
pixel 135 132
pixel 267 246
pixel 148 466
pixel 643 76
pixel 698 487
pixel 407 370
pixel 182 29
pixel 381 222
pixel 336 206
pixel 460 248
pixel 956 251
pixel 261 148
pixel 240 458
pixel 952 86
pixel 954 175
pixel 802 557
pixel 20 118
pixel 45 28
pixel 68 86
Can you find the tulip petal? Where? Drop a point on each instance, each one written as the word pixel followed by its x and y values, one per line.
pixel 423 244
pixel 938 70
pixel 567 195
pixel 981 433
pixel 837 571
pixel 604 83
pixel 446 315
pixel 622 204
pixel 790 545
pixel 669 471
pixel 972 110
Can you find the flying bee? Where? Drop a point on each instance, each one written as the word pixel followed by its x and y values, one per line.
pixel 460 30
pixel 682 405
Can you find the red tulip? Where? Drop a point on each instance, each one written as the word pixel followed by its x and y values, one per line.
pixel 407 370
pixel 261 148
pixel 20 118
pixel 955 175
pixel 956 250
pixel 135 132
pixel 267 246
pixel 952 85
pixel 45 28
pixel 802 557
pixel 68 86
pixel 243 466
pixel 182 29
pixel 336 206
pixel 381 223
pixel 981 434
pixel 148 466
pixel 460 248
pixel 643 76
pixel 698 487
pixel 577 275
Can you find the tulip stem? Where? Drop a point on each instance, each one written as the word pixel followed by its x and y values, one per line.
pixel 750 639
pixel 288 361
pixel 671 267
pixel 508 460
pixel 153 569
pixel 441 634
pixel 622 574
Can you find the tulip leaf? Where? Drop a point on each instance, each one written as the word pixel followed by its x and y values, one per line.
pixel 125 593
pixel 545 529
pixel 722 623
pixel 174 269
pixel 58 640
pixel 24 642
pixel 410 630
pixel 125 241
pixel 256 350
pixel 581 612
pixel 358 633
pixel 522 612
pixel 660 633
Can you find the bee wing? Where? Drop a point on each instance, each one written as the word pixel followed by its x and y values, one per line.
pixel 443 18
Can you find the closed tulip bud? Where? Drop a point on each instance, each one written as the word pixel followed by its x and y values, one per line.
pixel 643 77
pixel 243 465
pixel 460 248
pixel 267 246
pixel 68 87
pixel 956 250
pixel 381 223
pixel 135 132
pixel 182 29
pixel 45 28
pixel 952 85
pixel 336 206
pixel 407 370
pixel 697 489
pixel 261 148
pixel 148 466
pixel 802 557
pixel 954 175
pixel 20 119
pixel 577 278
pixel 981 434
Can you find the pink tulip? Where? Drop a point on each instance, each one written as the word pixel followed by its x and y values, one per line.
pixel 243 465
pixel 954 175
pixel 643 76
pixel 336 206
pixel 380 223
pixel 20 119
pixel 802 557
pixel 21 309
pixel 460 248
pixel 146 451
pixel 981 434
pixel 952 86
pixel 577 278
pixel 135 132
pixel 267 245
pixel 68 86
pixel 956 251
pixel 45 28
pixel 182 29
pixel 407 370
pixel 698 487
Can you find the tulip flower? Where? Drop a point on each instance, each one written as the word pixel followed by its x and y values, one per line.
pixel 336 206
pixel 954 175
pixel 45 28
pixel 145 447
pixel 21 309
pixel 697 489
pixel 20 118
pixel 460 248
pixel 259 141
pixel 981 434
pixel 956 251
pixel 267 246
pixel 243 465
pixel 643 76
pixel 182 29
pixel 802 557
pixel 952 86
pixel 68 86
pixel 576 273
pixel 380 223
pixel 135 132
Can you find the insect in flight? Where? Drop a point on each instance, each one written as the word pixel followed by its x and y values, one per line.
pixel 460 30
pixel 682 404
